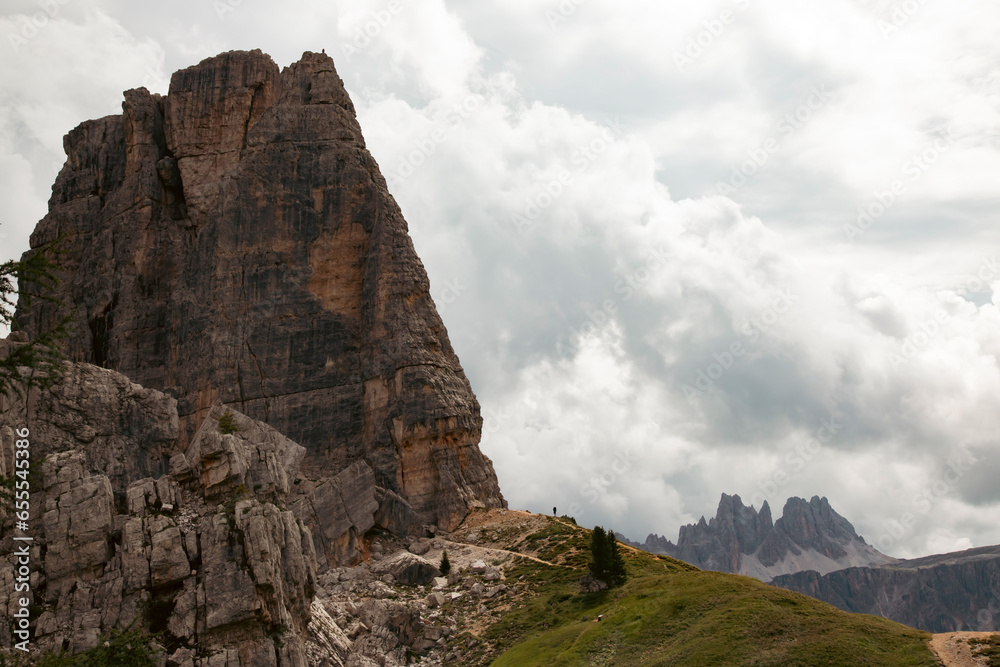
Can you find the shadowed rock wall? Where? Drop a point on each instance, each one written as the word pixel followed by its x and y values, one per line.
pixel 235 242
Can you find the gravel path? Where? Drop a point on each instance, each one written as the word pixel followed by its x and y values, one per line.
pixel 951 649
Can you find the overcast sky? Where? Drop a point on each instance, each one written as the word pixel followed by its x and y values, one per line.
pixel 681 248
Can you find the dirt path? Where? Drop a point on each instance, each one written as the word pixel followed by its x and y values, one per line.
pixel 474 552
pixel 951 649
pixel 462 552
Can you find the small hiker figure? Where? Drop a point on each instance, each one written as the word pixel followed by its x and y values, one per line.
pixel 554 512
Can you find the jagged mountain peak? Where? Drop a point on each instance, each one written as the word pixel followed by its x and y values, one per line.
pixel 810 534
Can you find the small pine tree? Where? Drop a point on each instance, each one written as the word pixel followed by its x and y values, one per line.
pixel 598 554
pixel 227 423
pixel 607 563
pixel 445 565
pixel 617 566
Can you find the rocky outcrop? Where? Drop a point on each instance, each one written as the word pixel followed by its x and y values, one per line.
pixel 342 508
pixel 234 243
pixel 741 540
pixel 944 593
pixel 124 430
pixel 378 613
pixel 206 553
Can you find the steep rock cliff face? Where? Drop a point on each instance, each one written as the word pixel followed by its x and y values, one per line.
pixel 234 242
pixel 741 540
pixel 196 544
pixel 943 593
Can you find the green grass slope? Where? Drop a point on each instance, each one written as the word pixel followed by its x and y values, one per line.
pixel 670 613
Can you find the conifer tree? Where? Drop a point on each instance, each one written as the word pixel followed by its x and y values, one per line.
pixel 445 565
pixel 607 563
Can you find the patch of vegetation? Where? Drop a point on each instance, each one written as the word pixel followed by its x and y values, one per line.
pixel 118 648
pixel 14 658
pixel 546 606
pixel 227 423
pixel 558 543
pixel 671 613
pixel 554 529
pixel 988 647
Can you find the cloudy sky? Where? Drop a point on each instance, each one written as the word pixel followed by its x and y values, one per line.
pixel 682 249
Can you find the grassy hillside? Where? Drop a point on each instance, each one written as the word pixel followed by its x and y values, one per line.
pixel 670 613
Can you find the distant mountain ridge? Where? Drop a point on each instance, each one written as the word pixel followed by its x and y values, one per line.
pixel 943 593
pixel 810 535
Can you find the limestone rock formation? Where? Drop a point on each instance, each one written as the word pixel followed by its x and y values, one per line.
pixel 205 553
pixel 126 431
pixel 235 243
pixel 808 536
pixel 943 593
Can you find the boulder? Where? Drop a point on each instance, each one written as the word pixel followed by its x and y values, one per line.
pixel 588 584
pixel 420 547
pixel 409 569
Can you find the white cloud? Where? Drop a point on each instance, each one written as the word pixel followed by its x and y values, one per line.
pixel 630 278
pixel 68 71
